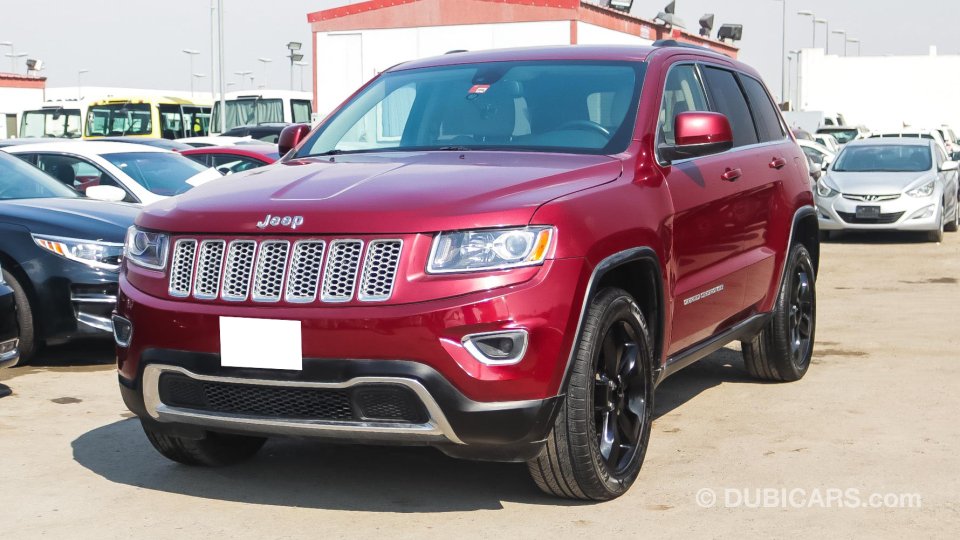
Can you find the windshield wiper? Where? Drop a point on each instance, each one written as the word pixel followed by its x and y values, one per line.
pixel 333 152
pixel 454 148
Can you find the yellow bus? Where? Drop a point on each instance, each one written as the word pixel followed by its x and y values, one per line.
pixel 162 117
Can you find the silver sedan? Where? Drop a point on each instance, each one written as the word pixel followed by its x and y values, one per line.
pixel 890 184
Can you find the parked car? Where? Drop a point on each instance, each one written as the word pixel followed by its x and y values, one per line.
pixel 819 157
pixel 30 140
pixel 905 184
pixel 165 144
pixel 234 159
pixel 950 140
pixel 9 332
pixel 219 140
pixel 118 171
pixel 60 254
pixel 828 141
pixel 268 132
pixel 508 280
pixel 845 134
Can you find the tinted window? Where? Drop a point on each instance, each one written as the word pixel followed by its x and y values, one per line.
pixel 765 116
pixel 21 181
pixel 681 93
pixel 729 100
pixel 76 173
pixel 163 173
pixel 884 158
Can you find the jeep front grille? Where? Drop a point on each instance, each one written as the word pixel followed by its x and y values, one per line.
pixel 274 270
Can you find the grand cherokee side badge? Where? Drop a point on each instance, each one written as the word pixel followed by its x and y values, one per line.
pixel 284 221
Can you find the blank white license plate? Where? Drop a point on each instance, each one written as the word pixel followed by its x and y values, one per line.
pixel 260 343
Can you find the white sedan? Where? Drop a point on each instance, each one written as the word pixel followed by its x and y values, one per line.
pixel 116 171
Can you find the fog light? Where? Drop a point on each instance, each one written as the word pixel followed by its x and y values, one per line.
pixel 122 331
pixel 8 346
pixel 925 212
pixel 497 348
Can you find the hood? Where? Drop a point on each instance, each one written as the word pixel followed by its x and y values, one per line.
pixel 876 183
pixel 72 218
pixel 383 193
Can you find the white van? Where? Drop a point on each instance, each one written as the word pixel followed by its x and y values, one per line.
pixel 256 107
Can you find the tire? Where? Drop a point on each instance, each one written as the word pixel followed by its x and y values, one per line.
pixel 783 349
pixel 28 334
pixel 575 463
pixel 954 223
pixel 214 450
pixel 937 235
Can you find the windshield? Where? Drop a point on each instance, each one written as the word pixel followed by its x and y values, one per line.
pixel 843 136
pixel 18 180
pixel 578 107
pixel 246 112
pixel 162 173
pixel 64 123
pixel 884 158
pixel 119 119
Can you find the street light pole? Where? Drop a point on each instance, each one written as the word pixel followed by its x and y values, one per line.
pixel 853 40
pixel 813 23
pixel 783 50
pixel 243 75
pixel 213 71
pixel 301 65
pixel 79 84
pixel 790 57
pixel 12 56
pixel 264 61
pixel 223 97
pixel 843 41
pixel 191 53
pixel 826 23
pixel 294 56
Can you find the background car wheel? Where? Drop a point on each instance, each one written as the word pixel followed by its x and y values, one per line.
pixel 954 224
pixel 28 334
pixel 214 449
pixel 600 436
pixel 783 349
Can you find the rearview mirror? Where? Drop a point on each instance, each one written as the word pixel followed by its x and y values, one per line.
pixel 949 166
pixel 106 193
pixel 698 134
pixel 291 136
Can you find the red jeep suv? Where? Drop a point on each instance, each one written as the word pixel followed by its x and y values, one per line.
pixel 500 254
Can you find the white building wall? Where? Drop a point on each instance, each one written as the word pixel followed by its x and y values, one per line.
pixel 591 34
pixel 882 92
pixel 346 60
pixel 13 101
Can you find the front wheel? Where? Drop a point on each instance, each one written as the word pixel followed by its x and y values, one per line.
pixel 600 436
pixel 783 349
pixel 954 224
pixel 28 334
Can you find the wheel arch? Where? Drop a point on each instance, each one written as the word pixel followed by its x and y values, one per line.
pixel 806 231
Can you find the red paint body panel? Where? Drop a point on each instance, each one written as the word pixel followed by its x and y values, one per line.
pixel 705 231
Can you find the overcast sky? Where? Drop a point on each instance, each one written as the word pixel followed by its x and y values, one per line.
pixel 138 43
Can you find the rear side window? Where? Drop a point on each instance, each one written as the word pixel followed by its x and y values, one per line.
pixel 728 99
pixel 681 93
pixel 768 123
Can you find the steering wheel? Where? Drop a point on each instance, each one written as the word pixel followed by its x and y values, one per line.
pixel 585 125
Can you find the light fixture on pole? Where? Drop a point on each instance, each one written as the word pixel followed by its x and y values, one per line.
pixel 842 41
pixel 826 33
pixel 79 84
pixel 264 61
pixel 294 56
pixel 669 18
pixel 191 53
pixel 852 40
pixel 242 75
pixel 783 50
pixel 706 25
pixel 813 22
pixel 301 65
pixel 12 56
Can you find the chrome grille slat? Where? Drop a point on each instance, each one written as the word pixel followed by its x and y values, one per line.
pixel 206 281
pixel 271 267
pixel 181 267
pixel 379 270
pixel 871 198
pixel 238 270
pixel 303 278
pixel 340 274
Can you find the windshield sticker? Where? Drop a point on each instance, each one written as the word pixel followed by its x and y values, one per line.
pixel 479 89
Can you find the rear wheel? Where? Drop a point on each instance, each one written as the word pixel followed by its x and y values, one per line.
pixel 783 349
pixel 600 436
pixel 214 449
pixel 28 334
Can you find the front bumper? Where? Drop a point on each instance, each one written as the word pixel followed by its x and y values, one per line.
pixel 501 412
pixel 902 214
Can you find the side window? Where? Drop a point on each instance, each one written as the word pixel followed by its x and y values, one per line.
pixel 729 100
pixel 681 93
pixel 300 110
pixel 941 157
pixel 232 164
pixel 766 117
pixel 76 173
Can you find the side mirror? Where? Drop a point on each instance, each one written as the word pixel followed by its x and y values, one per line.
pixel 291 136
pixel 106 193
pixel 825 165
pixel 698 134
pixel 949 166
pixel 224 171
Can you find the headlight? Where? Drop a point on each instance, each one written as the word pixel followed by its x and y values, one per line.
pixel 490 249
pixel 2 281
pixel 104 255
pixel 146 249
pixel 824 190
pixel 925 190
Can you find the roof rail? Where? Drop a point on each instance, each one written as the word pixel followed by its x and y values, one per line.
pixel 675 43
pixel 455 51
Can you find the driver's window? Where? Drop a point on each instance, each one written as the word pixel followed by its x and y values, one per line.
pixel 682 93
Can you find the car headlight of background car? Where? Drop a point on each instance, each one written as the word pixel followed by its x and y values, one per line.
pixel 924 190
pixel 824 189
pixel 489 249
pixel 94 253
pixel 145 248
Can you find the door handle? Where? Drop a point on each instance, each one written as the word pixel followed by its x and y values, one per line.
pixel 778 163
pixel 731 175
